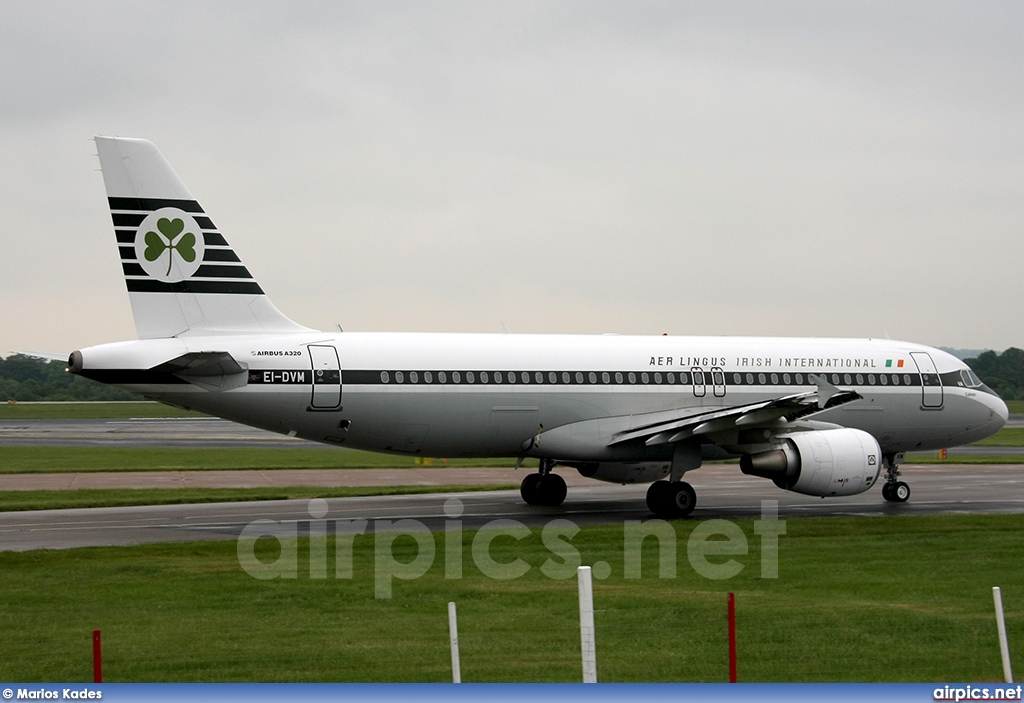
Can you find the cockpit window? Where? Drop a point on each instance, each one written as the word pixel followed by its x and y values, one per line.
pixel 970 378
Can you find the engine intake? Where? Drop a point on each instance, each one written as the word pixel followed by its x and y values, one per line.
pixel 838 462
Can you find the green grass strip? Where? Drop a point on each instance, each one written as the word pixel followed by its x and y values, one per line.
pixel 88 411
pixel 1006 437
pixel 107 498
pixel 916 588
pixel 17 460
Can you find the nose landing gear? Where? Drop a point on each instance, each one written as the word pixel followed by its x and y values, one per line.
pixel 894 490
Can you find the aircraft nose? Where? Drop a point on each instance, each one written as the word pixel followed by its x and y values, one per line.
pixel 1001 410
pixel 998 413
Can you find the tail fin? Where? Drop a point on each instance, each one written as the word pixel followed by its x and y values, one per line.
pixel 182 277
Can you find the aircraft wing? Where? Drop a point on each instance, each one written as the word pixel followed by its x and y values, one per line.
pixel 761 414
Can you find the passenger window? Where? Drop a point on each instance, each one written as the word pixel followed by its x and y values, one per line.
pixel 456 377
pixel 384 377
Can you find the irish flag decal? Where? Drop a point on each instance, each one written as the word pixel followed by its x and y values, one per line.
pixel 898 363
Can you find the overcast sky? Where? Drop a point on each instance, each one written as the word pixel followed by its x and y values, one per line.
pixel 812 169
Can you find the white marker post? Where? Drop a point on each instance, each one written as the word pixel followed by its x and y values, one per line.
pixel 587 638
pixel 453 633
pixel 1004 647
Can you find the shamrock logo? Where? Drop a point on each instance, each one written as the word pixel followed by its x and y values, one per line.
pixel 170 230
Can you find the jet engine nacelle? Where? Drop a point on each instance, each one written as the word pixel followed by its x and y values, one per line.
pixel 840 462
pixel 615 472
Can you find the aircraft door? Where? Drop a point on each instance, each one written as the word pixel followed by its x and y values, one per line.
pixel 699 389
pixel 931 382
pixel 326 377
pixel 718 381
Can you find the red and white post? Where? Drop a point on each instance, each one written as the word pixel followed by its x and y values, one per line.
pixel 732 637
pixel 97 658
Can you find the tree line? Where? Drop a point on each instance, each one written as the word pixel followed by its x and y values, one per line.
pixel 24 378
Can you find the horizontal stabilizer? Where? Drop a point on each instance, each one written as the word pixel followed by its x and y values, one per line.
pixel 209 363
pixel 44 355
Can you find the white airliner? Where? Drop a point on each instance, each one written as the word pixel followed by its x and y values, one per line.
pixel 820 417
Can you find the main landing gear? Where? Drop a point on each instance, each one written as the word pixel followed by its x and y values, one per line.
pixel 894 490
pixel 668 499
pixel 676 498
pixel 544 488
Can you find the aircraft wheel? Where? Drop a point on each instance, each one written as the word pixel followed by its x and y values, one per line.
pixel 658 497
pixel 683 499
pixel 897 492
pixel 671 500
pixel 529 489
pixel 900 492
pixel 552 490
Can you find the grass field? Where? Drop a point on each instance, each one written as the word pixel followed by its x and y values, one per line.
pixel 26 460
pixel 106 498
pixel 879 599
pixel 1006 437
pixel 88 411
